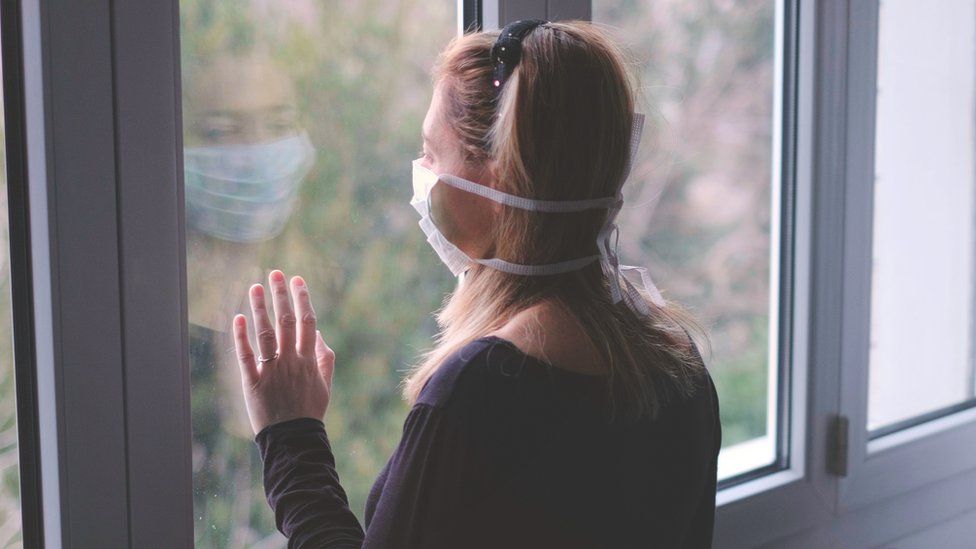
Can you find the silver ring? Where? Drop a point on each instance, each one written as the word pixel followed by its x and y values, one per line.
pixel 262 360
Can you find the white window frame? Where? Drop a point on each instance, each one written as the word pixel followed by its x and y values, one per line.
pixel 103 137
pixel 888 466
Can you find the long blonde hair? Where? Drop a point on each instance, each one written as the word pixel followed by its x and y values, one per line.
pixel 559 130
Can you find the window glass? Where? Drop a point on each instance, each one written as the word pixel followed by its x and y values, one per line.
pixel 301 119
pixel 921 358
pixel 10 523
pixel 703 191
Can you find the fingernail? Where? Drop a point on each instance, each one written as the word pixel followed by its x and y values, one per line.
pixel 299 281
pixel 277 276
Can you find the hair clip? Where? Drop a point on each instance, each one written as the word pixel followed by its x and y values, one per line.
pixel 507 50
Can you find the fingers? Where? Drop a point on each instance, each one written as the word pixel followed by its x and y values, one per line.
pixel 306 317
pixel 264 333
pixel 284 315
pixel 324 358
pixel 245 356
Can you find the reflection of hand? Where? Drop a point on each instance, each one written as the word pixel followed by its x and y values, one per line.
pixel 297 380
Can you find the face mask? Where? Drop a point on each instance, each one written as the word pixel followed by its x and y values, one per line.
pixel 622 278
pixel 245 192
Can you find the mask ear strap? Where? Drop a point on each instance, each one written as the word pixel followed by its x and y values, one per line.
pixel 621 287
pixel 531 204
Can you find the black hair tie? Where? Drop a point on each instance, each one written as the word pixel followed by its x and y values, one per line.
pixel 507 51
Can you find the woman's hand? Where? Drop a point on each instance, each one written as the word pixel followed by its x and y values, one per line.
pixel 292 377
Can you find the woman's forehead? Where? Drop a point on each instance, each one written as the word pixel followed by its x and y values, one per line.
pixel 433 125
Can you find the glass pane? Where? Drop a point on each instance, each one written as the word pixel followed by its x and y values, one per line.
pixel 921 357
pixel 708 173
pixel 300 122
pixel 10 523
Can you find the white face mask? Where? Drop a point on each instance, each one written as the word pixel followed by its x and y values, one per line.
pixel 245 192
pixel 424 181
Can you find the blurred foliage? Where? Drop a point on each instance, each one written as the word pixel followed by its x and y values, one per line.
pixel 706 71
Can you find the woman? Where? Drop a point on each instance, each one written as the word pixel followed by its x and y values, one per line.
pixel 562 405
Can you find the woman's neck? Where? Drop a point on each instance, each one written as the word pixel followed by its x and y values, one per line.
pixel 549 332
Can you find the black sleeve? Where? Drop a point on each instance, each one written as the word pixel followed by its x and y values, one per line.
pixel 302 486
pixel 703 520
pixel 437 478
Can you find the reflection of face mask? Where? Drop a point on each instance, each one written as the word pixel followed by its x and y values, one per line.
pixel 425 181
pixel 245 192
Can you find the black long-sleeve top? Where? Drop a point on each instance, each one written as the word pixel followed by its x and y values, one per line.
pixel 502 450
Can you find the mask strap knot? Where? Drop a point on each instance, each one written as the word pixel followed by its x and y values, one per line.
pixel 622 288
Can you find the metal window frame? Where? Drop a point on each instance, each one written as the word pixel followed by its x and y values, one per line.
pixel 469 16
pixel 498 13
pixel 104 142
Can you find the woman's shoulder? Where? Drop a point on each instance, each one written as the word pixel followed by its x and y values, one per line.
pixel 473 374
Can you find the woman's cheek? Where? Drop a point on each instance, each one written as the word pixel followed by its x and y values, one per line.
pixel 463 218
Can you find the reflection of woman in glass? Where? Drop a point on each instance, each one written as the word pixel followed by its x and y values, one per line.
pixel 249 156
pixel 245 158
pixel 565 404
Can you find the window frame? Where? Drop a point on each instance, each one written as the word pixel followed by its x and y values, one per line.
pixel 886 466
pixel 104 150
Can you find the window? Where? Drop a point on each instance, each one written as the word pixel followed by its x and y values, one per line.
pixel 906 385
pixel 300 122
pixel 704 215
pixel 772 195
pixel 922 315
